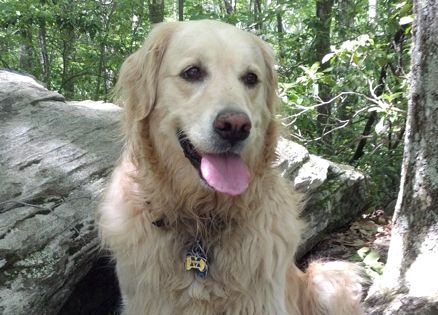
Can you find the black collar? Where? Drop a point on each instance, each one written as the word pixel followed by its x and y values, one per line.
pixel 196 258
pixel 162 222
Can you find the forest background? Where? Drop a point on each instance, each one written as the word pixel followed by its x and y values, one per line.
pixel 343 65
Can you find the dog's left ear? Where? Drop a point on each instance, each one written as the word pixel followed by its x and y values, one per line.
pixel 271 84
pixel 272 101
pixel 136 87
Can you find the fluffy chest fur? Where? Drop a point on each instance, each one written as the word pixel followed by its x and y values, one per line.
pixel 248 255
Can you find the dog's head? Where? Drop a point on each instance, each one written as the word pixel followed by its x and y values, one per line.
pixel 206 91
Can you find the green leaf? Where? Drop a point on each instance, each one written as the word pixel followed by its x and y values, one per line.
pixel 406 20
pixel 356 58
pixel 362 252
pixel 400 5
pixel 315 67
pixel 372 260
pixel 327 57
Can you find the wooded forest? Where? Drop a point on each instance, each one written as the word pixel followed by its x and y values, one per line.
pixel 342 65
pixel 348 90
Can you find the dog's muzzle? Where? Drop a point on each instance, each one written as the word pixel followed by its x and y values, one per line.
pixel 225 172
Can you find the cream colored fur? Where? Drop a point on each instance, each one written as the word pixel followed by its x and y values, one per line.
pixel 251 239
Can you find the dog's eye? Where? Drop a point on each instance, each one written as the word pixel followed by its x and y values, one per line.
pixel 250 79
pixel 193 74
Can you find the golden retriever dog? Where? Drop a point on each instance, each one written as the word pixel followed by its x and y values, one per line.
pixel 196 216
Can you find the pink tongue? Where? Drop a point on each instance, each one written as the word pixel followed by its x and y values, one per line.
pixel 226 173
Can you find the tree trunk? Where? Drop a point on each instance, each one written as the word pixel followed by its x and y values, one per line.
pixel 409 284
pixel 322 48
pixel 68 85
pixel 102 69
pixel 345 18
pixel 228 7
pixel 372 11
pixel 45 63
pixel 26 52
pixel 139 13
pixel 180 10
pixel 156 11
pixel 280 28
pixel 258 23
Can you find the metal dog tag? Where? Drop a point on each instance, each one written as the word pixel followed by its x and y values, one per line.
pixel 196 260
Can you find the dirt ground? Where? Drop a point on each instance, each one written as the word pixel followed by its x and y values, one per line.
pixel 365 241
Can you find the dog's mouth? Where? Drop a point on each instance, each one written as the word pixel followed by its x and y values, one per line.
pixel 189 150
pixel 224 172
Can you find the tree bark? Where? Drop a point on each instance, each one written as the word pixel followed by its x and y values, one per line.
pixel 345 17
pixel 102 69
pixel 228 7
pixel 26 52
pixel 138 11
pixel 180 10
pixel 280 28
pixel 45 62
pixel 322 47
pixel 68 85
pixel 156 11
pixel 409 284
pixel 258 23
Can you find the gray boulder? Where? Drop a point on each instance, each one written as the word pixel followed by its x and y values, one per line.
pixel 54 159
pixel 335 193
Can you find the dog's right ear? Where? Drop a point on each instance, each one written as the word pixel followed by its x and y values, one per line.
pixel 136 87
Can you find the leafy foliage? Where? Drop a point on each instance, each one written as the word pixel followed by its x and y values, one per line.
pixel 371 259
pixel 348 105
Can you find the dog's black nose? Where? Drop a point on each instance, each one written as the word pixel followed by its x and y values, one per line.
pixel 232 126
